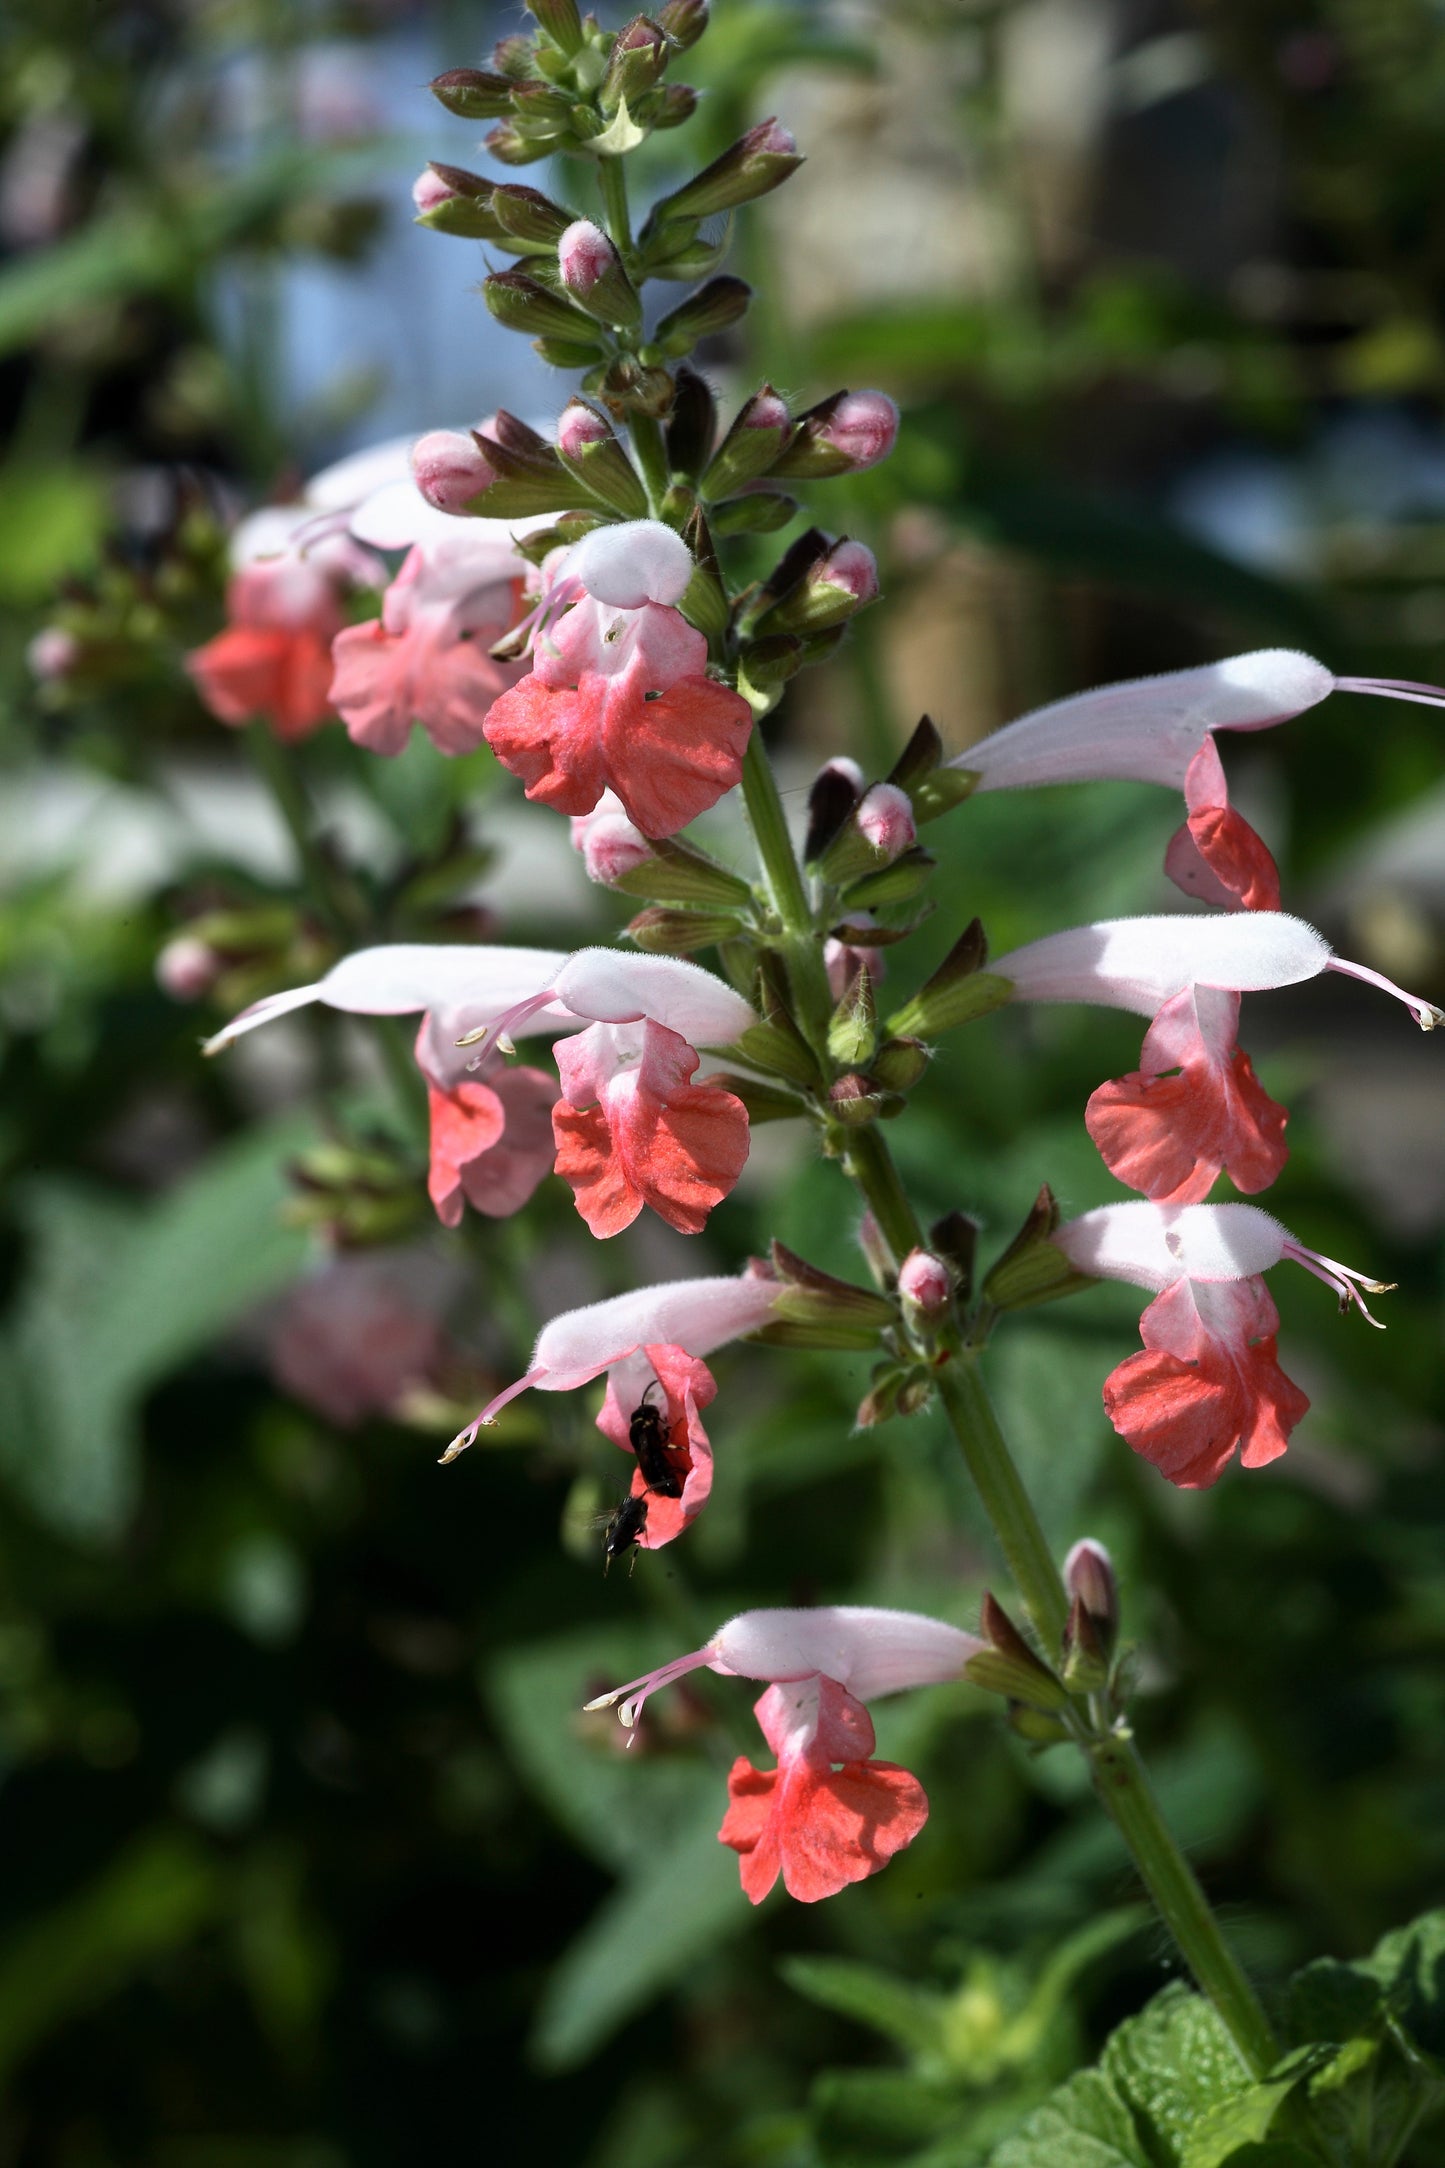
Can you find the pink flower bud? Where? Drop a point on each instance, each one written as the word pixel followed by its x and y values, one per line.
pixel 580 426
pixel 765 410
pixel 609 843
pixel 770 139
pixel 429 189
pixel 584 255
pixel 924 1282
pixel 863 427
pixel 187 968
pixel 885 819
pixel 450 469
pixel 850 566
pixel 53 653
pixel 1089 1576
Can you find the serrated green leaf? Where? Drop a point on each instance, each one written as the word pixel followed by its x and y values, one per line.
pixel 1243 2119
pixel 1409 1965
pixel 1085 2124
pixel 1173 2064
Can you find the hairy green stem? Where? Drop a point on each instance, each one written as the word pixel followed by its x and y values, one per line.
pixel 1123 1785
pixel 1119 1775
pixel 801 946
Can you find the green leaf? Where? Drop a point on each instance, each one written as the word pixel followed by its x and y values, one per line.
pixel 682 1901
pixel 119 1297
pixel 910 2016
pixel 863 2116
pixel 1173 2064
pixel 1238 2121
pixel 155 1896
pixel 1410 1967
pixel 1085 2124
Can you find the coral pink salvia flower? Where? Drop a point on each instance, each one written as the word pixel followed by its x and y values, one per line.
pixel 1194 1105
pixel 695 1316
pixel 633 1129
pixel 829 1814
pixel 685 1386
pixel 274 657
pixel 426 659
pixel 1208 1382
pixel 619 697
pixel 1161 730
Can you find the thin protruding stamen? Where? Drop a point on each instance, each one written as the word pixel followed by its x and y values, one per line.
pixel 1345 1282
pixel 1425 1013
pixel 467 1437
pixel 1425 696
pixel 634 1694
pixel 501 1027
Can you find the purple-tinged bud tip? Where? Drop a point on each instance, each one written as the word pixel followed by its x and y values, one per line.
pixel 450 469
pixel 863 426
pixel 581 425
pixel 584 255
pixel 429 189
pixel 187 968
pixel 924 1281
pixel 770 138
pixel 850 566
pixel 1089 1577
pixel 885 819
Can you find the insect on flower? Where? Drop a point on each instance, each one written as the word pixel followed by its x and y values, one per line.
pixel 647 1435
pixel 622 1528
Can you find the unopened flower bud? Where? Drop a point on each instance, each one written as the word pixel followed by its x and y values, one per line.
pixel 450 469
pixel 710 310
pixel 758 162
pixel 581 425
pixel 885 820
pixel 591 271
pixel 52 654
pixel 1089 1577
pixel 844 435
pixel 638 60
pixel 609 844
pixel 751 445
pixel 560 20
pixel 836 789
pixel 837 584
pixel 429 189
pixel 924 1282
pixel 684 21
pixel 187 968
pixel 473 95
pixel 522 304
pixel 671 104
pixel 449 199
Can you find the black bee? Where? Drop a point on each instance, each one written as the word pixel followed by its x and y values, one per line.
pixel 647 1434
pixel 623 1528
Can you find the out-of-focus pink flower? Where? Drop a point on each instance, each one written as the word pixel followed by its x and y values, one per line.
pixel 633 1129
pixel 829 1814
pixel 1208 1382
pixel 491 1136
pixel 273 660
pixel 351 1340
pixel 187 968
pixel 686 1386
pixel 609 844
pixel 619 697
pixel 51 654
pixel 1161 730
pixel 579 1345
pixel 426 659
